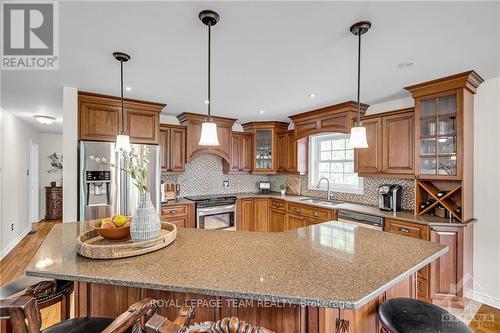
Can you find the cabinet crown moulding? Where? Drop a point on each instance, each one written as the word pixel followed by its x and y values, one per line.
pixel 469 80
pixel 114 100
pixel 265 124
pixel 198 117
pixel 331 109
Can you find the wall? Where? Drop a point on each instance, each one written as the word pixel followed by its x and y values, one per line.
pixel 487 193
pixel 15 181
pixel 49 143
pixel 70 152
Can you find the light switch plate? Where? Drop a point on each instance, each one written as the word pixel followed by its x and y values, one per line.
pixel 225 183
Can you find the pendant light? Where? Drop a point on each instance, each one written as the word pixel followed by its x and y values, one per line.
pixel 358 132
pixel 209 128
pixel 122 139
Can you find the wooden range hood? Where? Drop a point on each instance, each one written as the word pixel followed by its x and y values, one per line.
pixel 193 122
pixel 334 118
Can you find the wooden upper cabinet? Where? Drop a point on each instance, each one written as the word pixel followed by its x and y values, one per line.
pixel 99 118
pixel 369 160
pixel 282 152
pixel 172 148
pixel 444 122
pixel 193 123
pixel 390 151
pixel 143 125
pixel 398 143
pixel 241 154
pixel 265 145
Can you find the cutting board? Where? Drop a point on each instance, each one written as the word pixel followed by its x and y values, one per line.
pixel 293 186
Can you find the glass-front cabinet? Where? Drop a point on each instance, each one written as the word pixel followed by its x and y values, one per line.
pixel 437 141
pixel 265 146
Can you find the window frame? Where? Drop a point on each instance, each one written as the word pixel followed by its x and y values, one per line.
pixel 313 177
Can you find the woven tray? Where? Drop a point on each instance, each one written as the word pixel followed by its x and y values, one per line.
pixel 91 245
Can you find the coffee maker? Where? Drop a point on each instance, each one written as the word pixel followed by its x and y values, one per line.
pixel 389 197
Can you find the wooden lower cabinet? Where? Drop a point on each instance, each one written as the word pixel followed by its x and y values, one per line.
pixel 245 214
pixel 100 300
pixel 261 215
pixel 295 221
pixel 448 279
pixel 277 220
pixel 183 216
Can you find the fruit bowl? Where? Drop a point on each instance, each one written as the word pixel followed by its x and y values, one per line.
pixel 115 233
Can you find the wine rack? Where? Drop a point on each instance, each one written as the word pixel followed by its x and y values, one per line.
pixel 428 192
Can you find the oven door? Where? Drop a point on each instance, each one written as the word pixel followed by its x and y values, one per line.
pixel 216 217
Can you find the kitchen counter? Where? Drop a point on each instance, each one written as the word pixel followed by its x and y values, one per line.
pixel 179 201
pixel 408 216
pixel 331 264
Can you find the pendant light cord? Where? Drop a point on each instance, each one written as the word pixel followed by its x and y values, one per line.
pixel 121 91
pixel 358 123
pixel 209 60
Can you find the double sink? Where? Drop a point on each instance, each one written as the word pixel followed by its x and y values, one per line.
pixel 321 202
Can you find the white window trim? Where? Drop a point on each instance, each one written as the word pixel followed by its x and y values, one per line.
pixel 313 176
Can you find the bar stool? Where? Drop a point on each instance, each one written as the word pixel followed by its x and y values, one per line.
pixel 61 295
pixel 408 315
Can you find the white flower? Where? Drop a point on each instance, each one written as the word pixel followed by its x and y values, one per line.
pixel 91 157
pixel 103 160
pixel 98 160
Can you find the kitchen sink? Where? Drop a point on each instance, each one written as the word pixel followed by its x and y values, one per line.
pixel 321 202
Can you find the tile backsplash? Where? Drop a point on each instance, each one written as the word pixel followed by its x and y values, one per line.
pixel 204 176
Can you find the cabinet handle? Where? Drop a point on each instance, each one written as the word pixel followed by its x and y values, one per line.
pixel 316 213
pixel 406 230
pixel 297 210
pixel 433 229
pixel 173 211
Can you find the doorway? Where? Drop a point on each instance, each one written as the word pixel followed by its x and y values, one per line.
pixel 34 183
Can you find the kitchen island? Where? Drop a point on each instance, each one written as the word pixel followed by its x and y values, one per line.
pixel 296 281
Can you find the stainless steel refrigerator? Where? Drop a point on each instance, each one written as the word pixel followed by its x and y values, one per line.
pixel 105 190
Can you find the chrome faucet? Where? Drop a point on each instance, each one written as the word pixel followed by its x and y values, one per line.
pixel 328 196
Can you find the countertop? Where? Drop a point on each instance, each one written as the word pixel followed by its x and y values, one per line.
pixel 331 264
pixel 178 201
pixel 408 216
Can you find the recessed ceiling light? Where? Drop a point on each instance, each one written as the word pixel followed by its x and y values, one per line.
pixel 261 111
pixel 206 102
pixel 128 88
pixel 312 95
pixel 406 64
pixel 46 120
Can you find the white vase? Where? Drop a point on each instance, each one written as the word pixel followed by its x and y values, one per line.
pixel 145 223
pixel 283 192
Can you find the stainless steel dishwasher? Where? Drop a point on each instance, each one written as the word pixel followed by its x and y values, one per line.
pixel 362 220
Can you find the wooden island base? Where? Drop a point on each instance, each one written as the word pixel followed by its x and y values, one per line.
pixel 101 300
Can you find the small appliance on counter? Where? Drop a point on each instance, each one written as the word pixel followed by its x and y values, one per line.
pixel 169 191
pixel 389 197
pixel 264 186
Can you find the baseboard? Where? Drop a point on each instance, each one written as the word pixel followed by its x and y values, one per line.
pixel 485 299
pixel 14 242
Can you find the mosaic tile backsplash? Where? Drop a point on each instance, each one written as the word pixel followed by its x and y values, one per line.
pixel 204 176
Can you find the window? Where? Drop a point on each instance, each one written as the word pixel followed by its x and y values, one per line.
pixel 331 157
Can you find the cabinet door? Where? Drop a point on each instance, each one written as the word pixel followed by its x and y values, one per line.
pixel 446 271
pixel 180 222
pixel 245 219
pixel 99 122
pixel 291 156
pixel 246 153
pixel 165 146
pixel 369 160
pixel 143 126
pixel 261 214
pixel 295 221
pixel 281 152
pixel 277 220
pixel 177 149
pixel 398 142
pixel 264 151
pixel 236 152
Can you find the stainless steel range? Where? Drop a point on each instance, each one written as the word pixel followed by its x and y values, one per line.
pixel 215 212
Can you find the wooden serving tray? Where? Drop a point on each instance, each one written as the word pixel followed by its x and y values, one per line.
pixel 91 245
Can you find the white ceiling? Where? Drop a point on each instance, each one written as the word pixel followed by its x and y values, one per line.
pixel 266 55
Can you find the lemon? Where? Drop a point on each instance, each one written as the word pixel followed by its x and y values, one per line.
pixel 119 220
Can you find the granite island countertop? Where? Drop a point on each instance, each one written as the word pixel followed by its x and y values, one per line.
pixel 331 264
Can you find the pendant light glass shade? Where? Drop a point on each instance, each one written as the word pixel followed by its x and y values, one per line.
pixel 122 142
pixel 358 137
pixel 209 134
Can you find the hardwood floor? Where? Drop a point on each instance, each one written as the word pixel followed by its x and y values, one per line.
pixel 486 320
